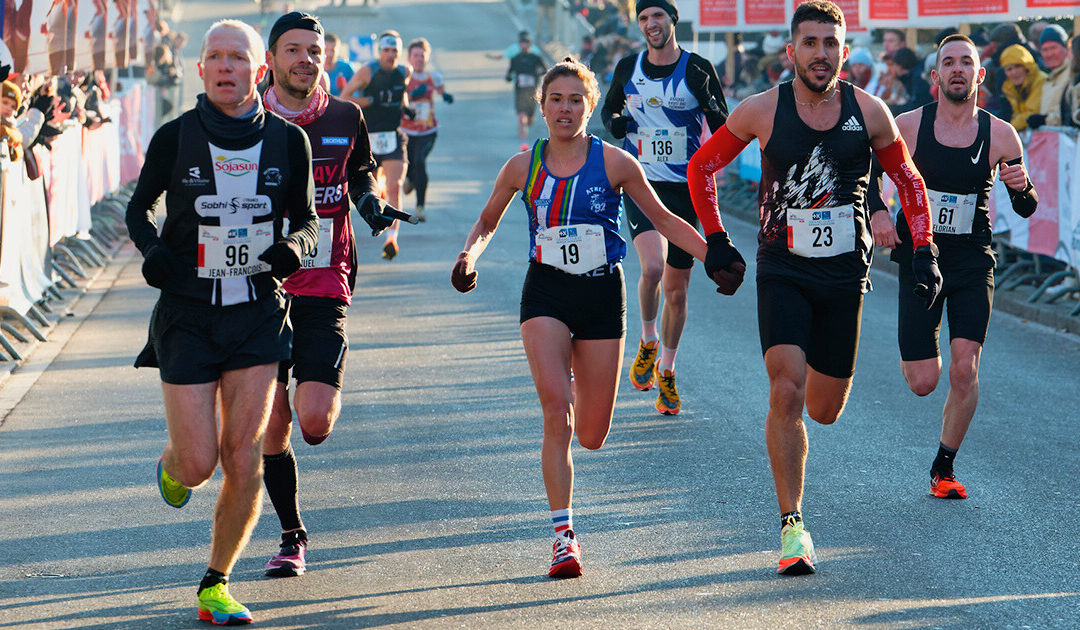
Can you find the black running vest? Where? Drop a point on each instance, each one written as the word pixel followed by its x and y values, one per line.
pixel 387 88
pixel 951 174
pixel 806 169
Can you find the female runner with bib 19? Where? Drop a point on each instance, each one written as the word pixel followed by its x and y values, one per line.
pixel 573 303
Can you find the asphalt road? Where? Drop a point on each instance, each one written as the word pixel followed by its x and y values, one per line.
pixel 426 507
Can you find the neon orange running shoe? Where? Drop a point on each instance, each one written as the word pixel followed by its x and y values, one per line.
pixel 667 397
pixel 946 487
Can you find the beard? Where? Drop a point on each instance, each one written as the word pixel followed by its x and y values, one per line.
pixel 665 37
pixel 821 88
pixel 953 97
pixel 282 79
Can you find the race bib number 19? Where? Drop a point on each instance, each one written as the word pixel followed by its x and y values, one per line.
pixel 821 232
pixel 232 252
pixel 662 145
pixel 573 248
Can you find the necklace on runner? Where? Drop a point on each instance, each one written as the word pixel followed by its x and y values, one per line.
pixel 819 103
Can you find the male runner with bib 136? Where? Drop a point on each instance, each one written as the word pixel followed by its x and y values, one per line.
pixel 321 291
pixel 958 148
pixel 230 172
pixel 817 136
pixel 573 304
pixel 381 86
pixel 670 94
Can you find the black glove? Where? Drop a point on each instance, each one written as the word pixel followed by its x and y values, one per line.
pixel 1036 120
pixel 509 77
pixel 448 98
pixel 724 264
pixel 463 282
pixel 409 113
pixel 419 92
pixel 283 258
pixel 160 265
pixel 43 103
pixel 622 125
pixel 927 275
pixel 372 210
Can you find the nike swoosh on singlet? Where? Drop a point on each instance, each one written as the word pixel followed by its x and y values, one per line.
pixel 975 160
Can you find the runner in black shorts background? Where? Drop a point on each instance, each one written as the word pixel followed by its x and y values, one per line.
pixel 673 98
pixel 573 302
pixel 526 67
pixel 958 148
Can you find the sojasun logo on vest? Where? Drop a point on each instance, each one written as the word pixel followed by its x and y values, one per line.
pixel 236 167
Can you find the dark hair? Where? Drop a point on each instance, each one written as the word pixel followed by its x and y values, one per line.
pixel 570 67
pixel 899 33
pixel 422 43
pixel 905 58
pixel 946 32
pixel 956 37
pixel 822 11
pixel 330 37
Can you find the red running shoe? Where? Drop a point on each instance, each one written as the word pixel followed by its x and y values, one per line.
pixel 946 487
pixel 566 557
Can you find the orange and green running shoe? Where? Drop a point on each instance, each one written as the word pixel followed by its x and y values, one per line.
pixel 797 555
pixel 667 398
pixel 641 370
pixel 219 608
pixel 172 491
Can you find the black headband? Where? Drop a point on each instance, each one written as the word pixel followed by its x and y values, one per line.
pixel 289 21
pixel 668 6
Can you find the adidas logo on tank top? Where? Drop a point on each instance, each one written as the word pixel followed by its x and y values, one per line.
pixel 851 125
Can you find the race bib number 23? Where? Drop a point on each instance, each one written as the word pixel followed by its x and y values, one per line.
pixel 821 232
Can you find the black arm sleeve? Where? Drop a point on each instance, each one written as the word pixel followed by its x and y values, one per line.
pixel 361 165
pixel 616 96
pixel 874 202
pixel 154 177
pixel 704 84
pixel 1024 202
pixel 300 197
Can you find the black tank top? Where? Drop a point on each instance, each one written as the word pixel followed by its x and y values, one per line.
pixel 387 87
pixel 803 168
pixel 961 172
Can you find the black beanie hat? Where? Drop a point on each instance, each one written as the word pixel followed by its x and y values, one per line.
pixel 289 21
pixel 667 5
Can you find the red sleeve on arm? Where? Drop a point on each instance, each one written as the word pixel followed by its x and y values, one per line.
pixel 716 153
pixel 898 164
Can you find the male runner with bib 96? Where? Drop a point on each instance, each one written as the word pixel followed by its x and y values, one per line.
pixel 573 304
pixel 958 148
pixel 670 95
pixel 230 172
pixel 817 136
pixel 321 291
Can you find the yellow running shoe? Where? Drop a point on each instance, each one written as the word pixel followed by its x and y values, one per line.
pixel 667 398
pixel 219 608
pixel 641 370
pixel 172 491
pixel 797 555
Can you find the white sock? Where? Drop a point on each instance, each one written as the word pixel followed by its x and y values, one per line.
pixel 648 331
pixel 667 358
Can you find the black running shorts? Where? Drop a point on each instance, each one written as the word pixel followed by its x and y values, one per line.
pixel 525 101
pixel 592 307
pixel 676 197
pixel 823 321
pixel 399 151
pixel 966 295
pixel 195 343
pixel 320 343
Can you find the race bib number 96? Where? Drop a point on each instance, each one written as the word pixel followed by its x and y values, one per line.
pixel 232 252
pixel 821 232
pixel 573 248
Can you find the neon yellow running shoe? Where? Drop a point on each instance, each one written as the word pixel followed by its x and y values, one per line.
pixel 172 491
pixel 641 370
pixel 219 608
pixel 797 555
